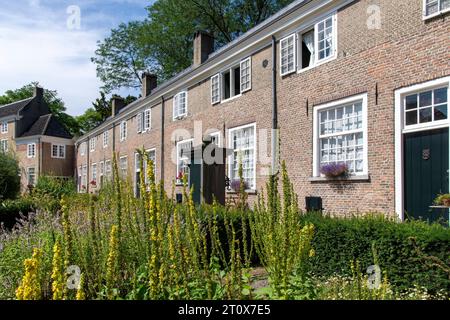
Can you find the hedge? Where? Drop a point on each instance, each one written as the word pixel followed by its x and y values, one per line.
pixel 339 241
pixel 11 210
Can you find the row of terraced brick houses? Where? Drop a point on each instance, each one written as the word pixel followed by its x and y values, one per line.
pixel 365 83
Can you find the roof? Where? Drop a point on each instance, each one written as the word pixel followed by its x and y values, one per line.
pixel 47 125
pixel 13 108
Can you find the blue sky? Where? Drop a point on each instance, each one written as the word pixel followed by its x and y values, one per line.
pixel 38 44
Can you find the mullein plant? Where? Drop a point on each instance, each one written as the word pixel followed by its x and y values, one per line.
pixel 58 276
pixel 30 287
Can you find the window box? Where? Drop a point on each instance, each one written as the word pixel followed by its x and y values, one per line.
pixel 359 178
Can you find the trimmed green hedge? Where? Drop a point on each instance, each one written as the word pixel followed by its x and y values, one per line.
pixel 339 241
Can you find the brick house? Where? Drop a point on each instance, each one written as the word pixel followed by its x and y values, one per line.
pixel 365 83
pixel 41 144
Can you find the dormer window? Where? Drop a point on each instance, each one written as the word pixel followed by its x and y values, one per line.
pixel 180 105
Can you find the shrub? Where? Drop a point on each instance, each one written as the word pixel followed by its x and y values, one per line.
pixel 337 242
pixel 11 210
pixel 49 191
pixel 9 176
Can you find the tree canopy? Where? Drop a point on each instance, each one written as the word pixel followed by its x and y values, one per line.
pixel 9 176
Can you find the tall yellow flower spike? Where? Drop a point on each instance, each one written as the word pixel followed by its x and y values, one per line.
pixel 30 289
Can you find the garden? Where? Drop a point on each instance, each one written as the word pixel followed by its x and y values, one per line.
pixel 114 246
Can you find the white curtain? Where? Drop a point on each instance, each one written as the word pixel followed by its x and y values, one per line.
pixel 308 39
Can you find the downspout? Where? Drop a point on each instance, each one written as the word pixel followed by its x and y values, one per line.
pixel 41 146
pixel 163 101
pixel 88 166
pixel 275 131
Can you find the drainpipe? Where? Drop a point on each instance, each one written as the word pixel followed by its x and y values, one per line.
pixel 88 166
pixel 275 137
pixel 40 144
pixel 163 101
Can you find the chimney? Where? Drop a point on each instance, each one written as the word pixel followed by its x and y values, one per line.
pixel 117 103
pixel 149 84
pixel 38 92
pixel 203 47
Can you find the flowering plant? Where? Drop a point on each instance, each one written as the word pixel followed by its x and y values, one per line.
pixel 93 183
pixel 180 176
pixel 236 185
pixel 334 170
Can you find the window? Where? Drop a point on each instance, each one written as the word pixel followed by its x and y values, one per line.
pixel 101 173
pixel 123 131
pixel 340 135
pixel 308 56
pixel 287 55
pixel 147 119
pixel 83 148
pixel 151 155
pixel 435 7
pixel 215 138
pixel 426 107
pixel 184 149
pixel 31 176
pixel 105 139
pixel 4 145
pixel 215 89
pixel 325 39
pixel 58 151
pixel 84 179
pixel 180 105
pixel 139 122
pixel 108 169
pixel 123 166
pixel 4 127
pixel 94 174
pixel 243 143
pixel 246 75
pixel 31 150
pixel 231 82
pixel 92 144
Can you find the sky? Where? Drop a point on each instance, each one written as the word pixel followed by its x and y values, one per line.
pixel 52 42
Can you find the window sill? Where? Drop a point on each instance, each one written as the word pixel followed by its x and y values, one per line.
pixel 437 14
pixel 361 178
pixel 251 192
pixel 231 99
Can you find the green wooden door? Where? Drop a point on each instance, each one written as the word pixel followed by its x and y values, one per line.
pixel 426 156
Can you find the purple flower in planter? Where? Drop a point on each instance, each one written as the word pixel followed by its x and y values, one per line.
pixel 236 185
pixel 334 170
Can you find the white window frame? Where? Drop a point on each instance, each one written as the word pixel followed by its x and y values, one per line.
pixel 121 169
pixel 233 94
pixel 139 120
pixel 218 135
pixel 400 130
pixel 316 132
pixel 108 169
pixel 4 145
pixel 60 151
pixel 84 177
pixel 231 157
pixel 284 41
pixel 123 131
pixel 31 150
pixel 332 55
pixel 215 81
pixel 242 75
pixel 147 123
pixel 4 127
pixel 94 173
pixel 105 139
pixel 179 143
pixel 176 105
pixel 438 13
pixel 34 176
pixel 101 172
pixel 83 149
pixel 92 144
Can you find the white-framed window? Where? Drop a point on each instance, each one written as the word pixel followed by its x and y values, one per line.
pixel 92 144
pixel 147 120
pixel 123 131
pixel 288 54
pixel 31 150
pixel 58 151
pixel 139 124
pixel 83 149
pixel 84 178
pixel 94 173
pixel 151 154
pixel 215 89
pixel 108 169
pixel 101 172
pixel 340 135
pixel 184 149
pixel 31 176
pixel 105 139
pixel 216 138
pixel 123 166
pixel 180 105
pixel 4 127
pixel 4 145
pixel 325 35
pixel 242 140
pixel 426 108
pixel 246 75
pixel 231 82
pixel 432 8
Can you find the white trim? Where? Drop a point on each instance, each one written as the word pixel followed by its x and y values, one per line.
pixel 147 123
pixel 175 107
pixel 230 157
pixel 249 60
pixel 92 144
pixel 219 97
pixel 217 134
pixel 123 131
pixel 399 132
pixel 34 175
pixel 294 68
pixel 178 153
pixel 4 145
pixel 438 13
pixel 94 165
pixel 31 153
pixel 3 125
pixel 105 139
pixel 316 140
pixel 140 122
pixel 58 146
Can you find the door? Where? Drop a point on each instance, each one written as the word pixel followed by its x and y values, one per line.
pixel 195 181
pixel 426 156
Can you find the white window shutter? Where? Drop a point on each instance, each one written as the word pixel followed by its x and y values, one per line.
pixel 139 122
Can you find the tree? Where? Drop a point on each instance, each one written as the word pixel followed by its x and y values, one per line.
pixel 163 43
pixel 55 104
pixel 9 176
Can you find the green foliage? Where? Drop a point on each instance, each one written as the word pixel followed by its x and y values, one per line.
pixel 55 104
pixel 49 191
pixel 9 176
pixel 337 242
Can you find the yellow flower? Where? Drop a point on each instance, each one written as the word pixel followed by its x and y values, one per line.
pixel 80 292
pixel 112 262
pixel 30 288
pixel 57 277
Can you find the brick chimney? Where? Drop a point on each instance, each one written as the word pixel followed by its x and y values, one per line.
pixel 38 92
pixel 203 47
pixel 117 103
pixel 149 84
